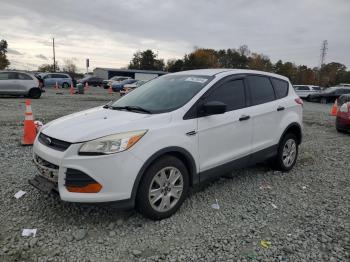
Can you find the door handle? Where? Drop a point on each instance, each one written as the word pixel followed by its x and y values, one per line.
pixel 280 108
pixel 244 117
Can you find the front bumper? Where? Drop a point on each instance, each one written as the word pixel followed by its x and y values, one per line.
pixel 116 172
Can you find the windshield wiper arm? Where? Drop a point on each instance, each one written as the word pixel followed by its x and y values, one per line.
pixel 131 108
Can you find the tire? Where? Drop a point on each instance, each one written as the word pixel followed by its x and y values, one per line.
pixel 65 85
pixel 165 204
pixel 281 161
pixel 35 93
pixel 308 99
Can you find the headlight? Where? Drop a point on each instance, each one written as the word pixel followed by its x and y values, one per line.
pixel 111 144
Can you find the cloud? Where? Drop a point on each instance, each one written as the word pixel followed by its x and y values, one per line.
pixel 14 52
pixel 109 32
pixel 42 57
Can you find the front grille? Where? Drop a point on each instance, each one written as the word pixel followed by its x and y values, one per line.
pixel 53 142
pixel 78 178
pixel 45 163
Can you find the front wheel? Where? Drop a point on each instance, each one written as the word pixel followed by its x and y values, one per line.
pixel 287 153
pixel 163 188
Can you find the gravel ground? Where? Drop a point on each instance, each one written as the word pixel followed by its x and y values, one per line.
pixel 303 214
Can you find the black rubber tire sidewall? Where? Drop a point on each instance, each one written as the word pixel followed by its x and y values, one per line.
pixel 142 202
pixel 279 159
pixel 35 93
pixel 65 85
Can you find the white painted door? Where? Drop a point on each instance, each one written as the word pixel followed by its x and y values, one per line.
pixel 225 137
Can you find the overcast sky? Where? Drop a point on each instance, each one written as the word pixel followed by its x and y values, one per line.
pixel 109 31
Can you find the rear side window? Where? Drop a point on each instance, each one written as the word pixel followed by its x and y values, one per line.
pixel 303 88
pixel 281 87
pixel 8 76
pixel 56 76
pixel 261 89
pixel 24 77
pixel 230 93
pixel 317 88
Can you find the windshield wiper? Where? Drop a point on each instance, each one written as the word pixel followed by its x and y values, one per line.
pixel 131 108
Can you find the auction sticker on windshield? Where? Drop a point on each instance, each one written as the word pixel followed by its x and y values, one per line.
pixel 196 79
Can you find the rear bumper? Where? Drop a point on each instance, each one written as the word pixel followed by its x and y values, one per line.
pixel 343 123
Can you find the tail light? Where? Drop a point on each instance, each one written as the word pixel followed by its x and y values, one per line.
pixel 299 101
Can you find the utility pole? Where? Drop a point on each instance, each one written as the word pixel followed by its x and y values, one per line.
pixel 54 55
pixel 324 49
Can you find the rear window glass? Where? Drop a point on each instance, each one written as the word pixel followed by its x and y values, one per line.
pixel 261 89
pixel 8 75
pixel 281 87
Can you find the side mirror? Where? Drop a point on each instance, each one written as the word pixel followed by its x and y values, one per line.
pixel 213 108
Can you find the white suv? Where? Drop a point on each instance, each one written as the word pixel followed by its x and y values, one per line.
pixel 305 91
pixel 176 131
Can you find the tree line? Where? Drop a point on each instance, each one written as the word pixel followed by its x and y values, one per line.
pixel 330 74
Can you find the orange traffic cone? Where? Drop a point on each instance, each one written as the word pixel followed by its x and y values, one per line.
pixel 110 90
pixel 71 90
pixel 29 132
pixel 334 109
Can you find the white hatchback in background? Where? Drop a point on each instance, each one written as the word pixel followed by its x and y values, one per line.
pixel 172 133
pixel 305 91
pixel 19 83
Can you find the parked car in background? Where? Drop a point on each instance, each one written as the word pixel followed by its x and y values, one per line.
pixel 304 91
pixel 108 83
pixel 342 122
pixel 129 87
pixel 19 83
pixel 50 79
pixel 329 95
pixel 118 86
pixel 91 81
pixel 148 148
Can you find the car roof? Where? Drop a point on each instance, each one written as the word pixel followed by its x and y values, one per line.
pixel 16 71
pixel 217 71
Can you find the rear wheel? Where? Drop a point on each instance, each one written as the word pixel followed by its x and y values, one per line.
pixel 35 93
pixel 287 153
pixel 163 188
pixel 65 85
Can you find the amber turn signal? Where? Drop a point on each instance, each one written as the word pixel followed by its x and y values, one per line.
pixel 90 188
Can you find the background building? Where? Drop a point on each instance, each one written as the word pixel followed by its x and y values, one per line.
pixel 107 73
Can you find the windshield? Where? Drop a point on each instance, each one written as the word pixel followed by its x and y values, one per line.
pixel 165 93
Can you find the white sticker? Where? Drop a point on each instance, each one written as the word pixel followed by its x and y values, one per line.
pixel 196 79
pixel 19 194
pixel 29 232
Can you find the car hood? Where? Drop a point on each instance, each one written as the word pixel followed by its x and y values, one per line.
pixel 98 122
